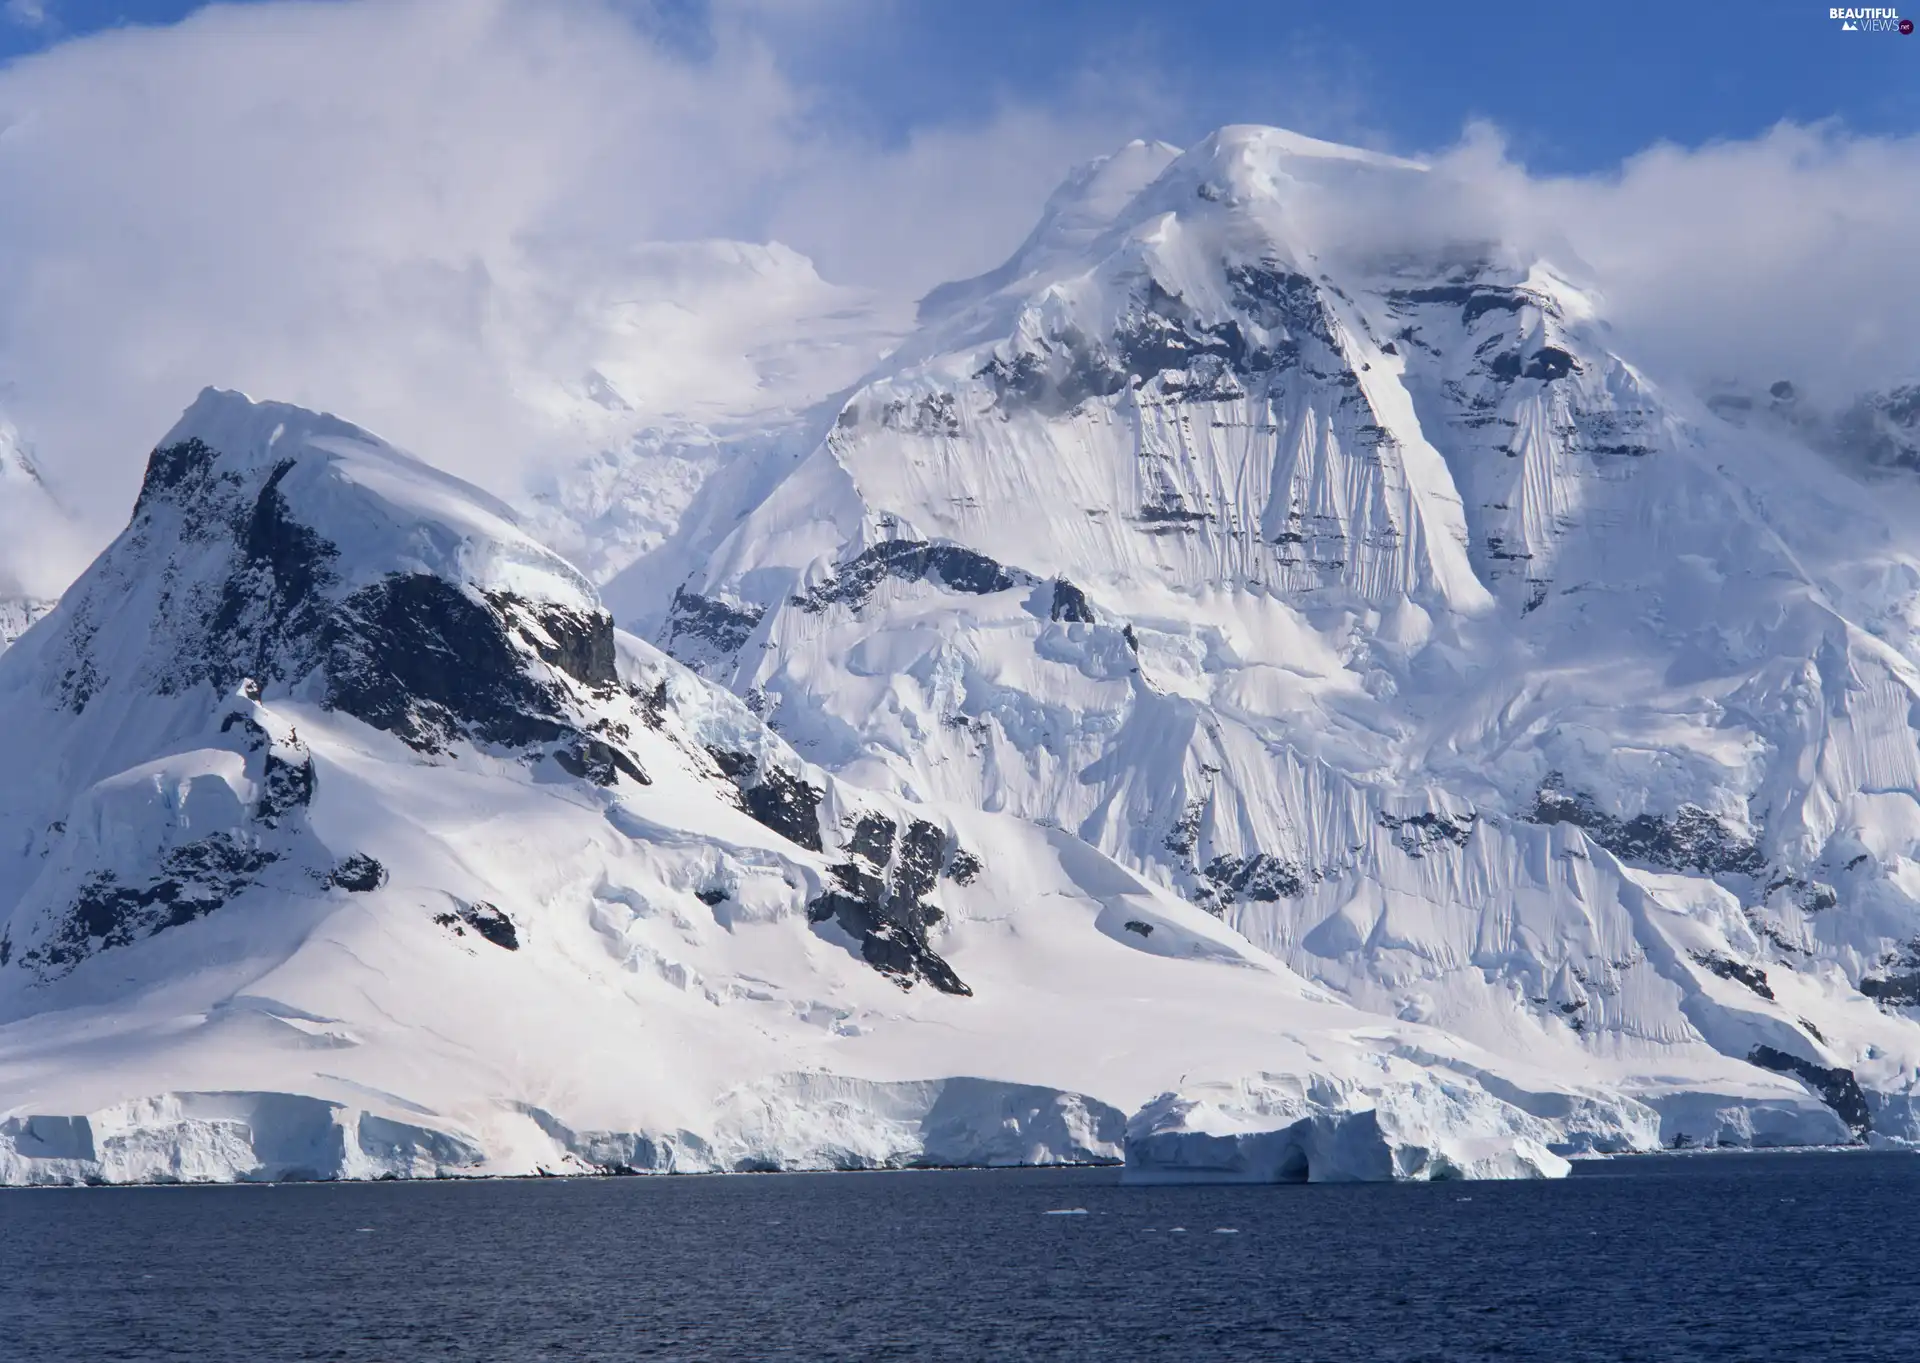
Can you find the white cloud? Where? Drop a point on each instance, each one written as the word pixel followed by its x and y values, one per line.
pixel 26 13
pixel 1786 256
pixel 389 207
pixel 382 207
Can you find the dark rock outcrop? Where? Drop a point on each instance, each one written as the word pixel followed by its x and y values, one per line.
pixel 1837 1088
pixel 1546 364
pixel 1474 300
pixel 1898 983
pixel 774 797
pixel 1160 339
pixel 933 414
pixel 1070 603
pixel 1811 896
pixel 1691 840
pixel 880 900
pixel 1752 976
pixel 287 783
pixel 413 654
pixel 191 882
pixel 963 867
pixel 1417 833
pixel 698 625
pixel 358 874
pixel 418 657
pixel 484 919
pixel 1261 877
pixel 287 786
pixel 598 762
pixel 426 659
pixel 946 565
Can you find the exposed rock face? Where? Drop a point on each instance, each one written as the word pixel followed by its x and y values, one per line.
pixel 1883 429
pixel 99 899
pixel 416 656
pixel 1415 833
pixel 1897 984
pixel 358 874
pixel 485 920
pixel 1836 1087
pixel 775 797
pixel 881 904
pixel 697 624
pixel 287 776
pixel 1690 840
pixel 1752 976
pixel 428 659
pixel 191 881
pixel 1070 604
pixel 1259 877
pixel 957 569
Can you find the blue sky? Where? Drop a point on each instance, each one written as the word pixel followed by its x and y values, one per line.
pixel 1575 88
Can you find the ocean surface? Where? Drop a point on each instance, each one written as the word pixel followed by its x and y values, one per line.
pixel 1789 1258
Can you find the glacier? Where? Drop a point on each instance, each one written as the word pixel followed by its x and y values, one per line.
pixel 1225 696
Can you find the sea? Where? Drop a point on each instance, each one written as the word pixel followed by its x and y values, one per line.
pixel 1787 1258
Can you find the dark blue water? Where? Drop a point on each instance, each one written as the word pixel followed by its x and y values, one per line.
pixel 1783 1258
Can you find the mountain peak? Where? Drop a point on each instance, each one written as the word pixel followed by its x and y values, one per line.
pixel 1086 203
pixel 1256 141
pixel 1239 165
pixel 382 509
pixel 286 552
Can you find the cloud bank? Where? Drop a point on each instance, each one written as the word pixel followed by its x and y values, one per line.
pixel 389 209
pixel 1787 256
pixel 431 215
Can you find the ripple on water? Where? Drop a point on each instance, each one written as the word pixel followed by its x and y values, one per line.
pixel 1763 1257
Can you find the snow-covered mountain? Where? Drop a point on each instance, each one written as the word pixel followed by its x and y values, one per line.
pixel 1373 600
pixel 1227 692
pixel 342 835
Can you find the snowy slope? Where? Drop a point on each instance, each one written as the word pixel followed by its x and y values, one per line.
pixel 1374 602
pixel 342 835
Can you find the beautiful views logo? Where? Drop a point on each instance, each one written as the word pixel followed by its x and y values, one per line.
pixel 1870 20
